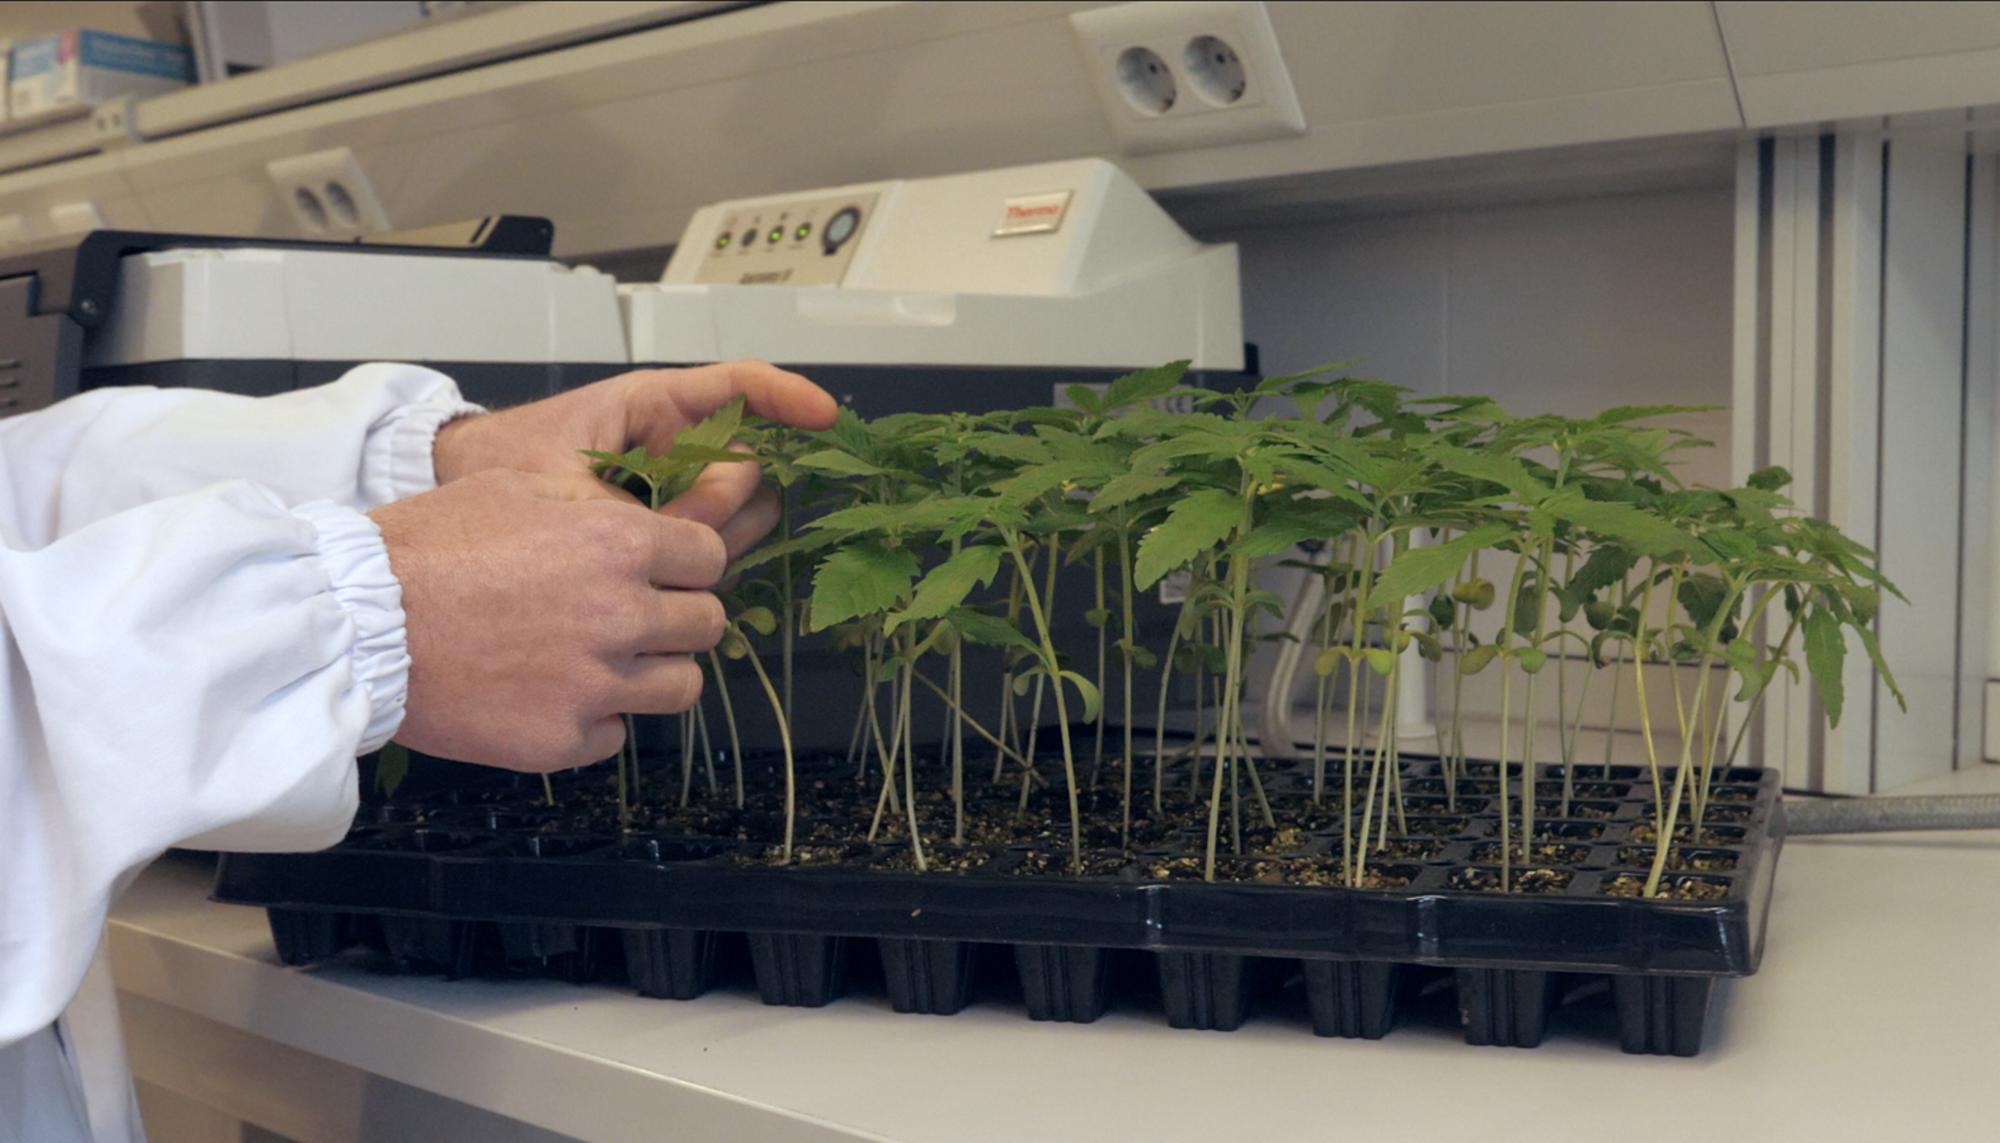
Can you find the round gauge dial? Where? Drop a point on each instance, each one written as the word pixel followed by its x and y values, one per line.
pixel 841 227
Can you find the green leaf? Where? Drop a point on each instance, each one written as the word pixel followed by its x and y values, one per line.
pixel 945 586
pixel 1625 413
pixel 1144 385
pixel 1477 594
pixel 1874 648
pixel 392 765
pixel 1381 660
pixel 1532 659
pixel 1756 677
pixel 1195 524
pixel 1129 487
pixel 1475 660
pixel 1442 612
pixel 1626 523
pixel 860 581
pixel 1769 479
pixel 759 619
pixel 1826 654
pixel 1328 660
pixel 1528 606
pixel 1145 658
pixel 1608 564
pixel 1097 616
pixel 1505 471
pixel 990 630
pixel 1092 701
pixel 714 431
pixel 1421 569
pixel 844 463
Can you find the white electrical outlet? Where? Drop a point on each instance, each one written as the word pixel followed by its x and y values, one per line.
pixel 328 194
pixel 1176 75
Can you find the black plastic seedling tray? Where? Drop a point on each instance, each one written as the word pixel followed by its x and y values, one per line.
pixel 500 884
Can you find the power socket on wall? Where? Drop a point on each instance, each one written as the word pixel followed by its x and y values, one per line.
pixel 328 194
pixel 1175 75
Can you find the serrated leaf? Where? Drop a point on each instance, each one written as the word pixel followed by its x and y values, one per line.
pixel 1195 524
pixel 1608 564
pixel 1626 523
pixel 860 581
pixel 1144 385
pixel 1874 649
pixel 1505 471
pixel 1419 570
pixel 836 461
pixel 1826 655
pixel 989 630
pixel 1124 489
pixel 714 431
pixel 945 586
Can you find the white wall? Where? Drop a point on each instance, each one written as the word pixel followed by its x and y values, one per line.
pixel 1564 307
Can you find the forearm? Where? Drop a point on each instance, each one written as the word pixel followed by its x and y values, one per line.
pixel 206 666
pixel 360 441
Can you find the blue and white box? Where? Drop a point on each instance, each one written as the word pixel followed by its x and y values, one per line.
pixel 85 67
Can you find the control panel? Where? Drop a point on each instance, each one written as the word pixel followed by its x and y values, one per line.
pixel 794 242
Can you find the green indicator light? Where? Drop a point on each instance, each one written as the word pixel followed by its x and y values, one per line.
pixel 777 235
pixel 803 232
pixel 722 241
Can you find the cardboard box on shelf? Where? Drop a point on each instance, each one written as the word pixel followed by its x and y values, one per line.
pixel 85 67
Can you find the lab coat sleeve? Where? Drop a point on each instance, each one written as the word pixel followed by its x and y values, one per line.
pixel 206 665
pixel 360 441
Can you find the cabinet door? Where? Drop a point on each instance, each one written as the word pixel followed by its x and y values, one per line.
pixel 1810 62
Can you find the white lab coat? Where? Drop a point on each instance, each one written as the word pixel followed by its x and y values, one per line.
pixel 199 631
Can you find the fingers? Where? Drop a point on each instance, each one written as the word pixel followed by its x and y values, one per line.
pixel 718 494
pixel 659 684
pixel 671 622
pixel 742 531
pixel 685 554
pixel 664 401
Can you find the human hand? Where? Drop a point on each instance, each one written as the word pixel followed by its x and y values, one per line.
pixel 541 607
pixel 645 407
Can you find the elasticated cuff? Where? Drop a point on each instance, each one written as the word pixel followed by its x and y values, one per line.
pixel 357 562
pixel 399 459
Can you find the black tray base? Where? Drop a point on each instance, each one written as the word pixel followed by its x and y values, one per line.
pixel 465 890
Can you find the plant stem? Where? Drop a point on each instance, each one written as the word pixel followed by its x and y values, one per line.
pixel 785 739
pixel 1006 752
pixel 1052 667
pixel 729 720
pixel 909 755
pixel 1128 651
pixel 1103 659
pixel 1232 697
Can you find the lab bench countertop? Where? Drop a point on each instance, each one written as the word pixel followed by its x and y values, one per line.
pixel 1876 1015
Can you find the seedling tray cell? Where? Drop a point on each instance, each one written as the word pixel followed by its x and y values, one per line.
pixel 501 886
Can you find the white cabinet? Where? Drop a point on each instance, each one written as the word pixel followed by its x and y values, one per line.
pixel 1812 62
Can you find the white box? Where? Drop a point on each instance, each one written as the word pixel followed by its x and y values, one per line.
pixel 85 67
